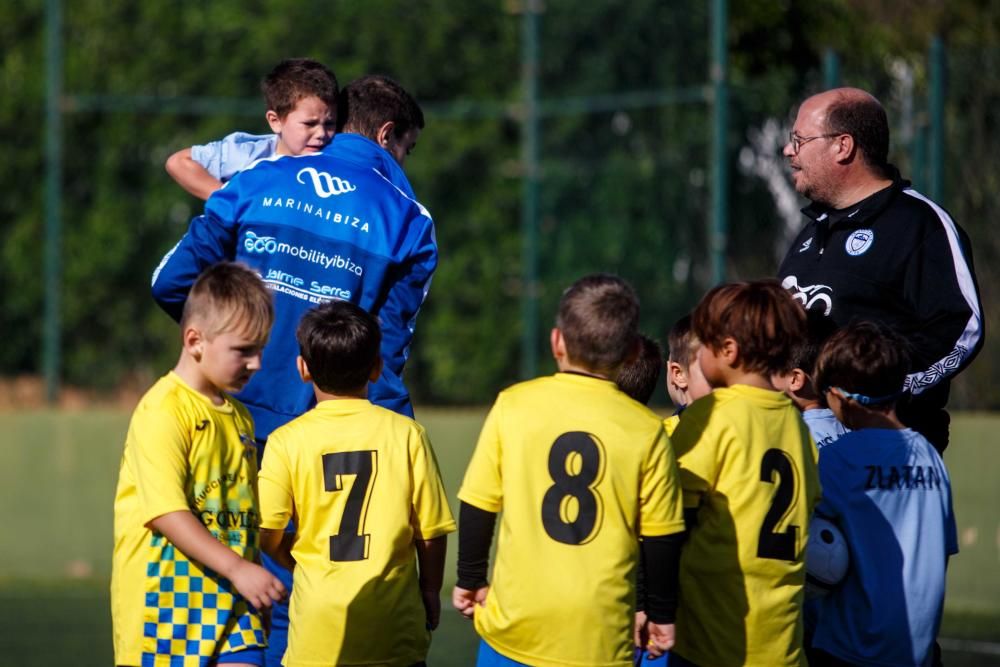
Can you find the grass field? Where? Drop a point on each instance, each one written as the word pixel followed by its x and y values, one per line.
pixel 58 472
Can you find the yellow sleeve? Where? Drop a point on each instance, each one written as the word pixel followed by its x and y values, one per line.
pixel 483 483
pixel 430 501
pixel 275 485
pixel 696 442
pixel 661 509
pixel 160 443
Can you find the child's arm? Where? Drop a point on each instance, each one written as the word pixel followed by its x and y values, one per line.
pixel 191 175
pixel 187 533
pixel 475 534
pixel 430 559
pixel 277 544
pixel 661 557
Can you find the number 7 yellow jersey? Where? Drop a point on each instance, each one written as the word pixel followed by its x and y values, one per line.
pixel 579 471
pixel 748 464
pixel 363 484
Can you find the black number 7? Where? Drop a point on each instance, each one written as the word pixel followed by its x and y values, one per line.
pixel 351 542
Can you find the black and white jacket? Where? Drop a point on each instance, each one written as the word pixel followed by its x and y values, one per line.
pixel 899 259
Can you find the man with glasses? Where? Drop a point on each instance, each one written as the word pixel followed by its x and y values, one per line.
pixel 876 249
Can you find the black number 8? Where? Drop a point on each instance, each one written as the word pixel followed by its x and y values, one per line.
pixel 576 465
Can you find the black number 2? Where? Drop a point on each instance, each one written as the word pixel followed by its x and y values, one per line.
pixel 571 509
pixel 351 542
pixel 779 546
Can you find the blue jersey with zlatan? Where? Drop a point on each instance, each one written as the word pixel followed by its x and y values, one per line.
pixel 823 426
pixel 889 492
pixel 330 225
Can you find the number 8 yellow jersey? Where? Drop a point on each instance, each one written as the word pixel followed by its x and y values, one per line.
pixel 579 471
pixel 748 464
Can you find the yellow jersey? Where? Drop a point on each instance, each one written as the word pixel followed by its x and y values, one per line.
pixel 670 424
pixel 579 471
pixel 362 484
pixel 182 452
pixel 748 464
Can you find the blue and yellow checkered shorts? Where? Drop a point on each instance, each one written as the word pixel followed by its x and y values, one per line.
pixel 192 614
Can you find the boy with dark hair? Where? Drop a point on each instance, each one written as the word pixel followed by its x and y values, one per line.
pixel 748 469
pixel 369 506
pixel 888 490
pixel 798 383
pixel 185 586
pixel 301 100
pixel 638 378
pixel 685 383
pixel 580 472
pixel 377 107
pixel 373 108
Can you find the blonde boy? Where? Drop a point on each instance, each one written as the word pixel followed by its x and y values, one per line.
pixel 368 504
pixel 580 472
pixel 748 469
pixel 185 586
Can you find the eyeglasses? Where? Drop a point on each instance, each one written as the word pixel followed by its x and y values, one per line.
pixel 796 141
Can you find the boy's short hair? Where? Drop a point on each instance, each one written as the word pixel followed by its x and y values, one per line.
pixel 864 358
pixel 229 296
pixel 339 342
pixel 599 320
pixel 639 378
pixel 760 316
pixel 819 328
pixel 295 79
pixel 681 342
pixel 368 103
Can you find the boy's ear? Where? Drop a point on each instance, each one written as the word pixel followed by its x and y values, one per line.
pixel 729 350
pixel 677 376
pixel 303 369
pixel 797 379
pixel 558 344
pixel 193 341
pixel 384 135
pixel 376 370
pixel 274 120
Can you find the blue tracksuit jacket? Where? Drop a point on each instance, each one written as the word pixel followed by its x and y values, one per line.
pixel 332 225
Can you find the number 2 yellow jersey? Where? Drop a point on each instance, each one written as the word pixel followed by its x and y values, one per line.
pixel 579 471
pixel 748 463
pixel 363 484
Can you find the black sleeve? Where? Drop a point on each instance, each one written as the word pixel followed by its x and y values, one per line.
pixel 659 567
pixel 475 535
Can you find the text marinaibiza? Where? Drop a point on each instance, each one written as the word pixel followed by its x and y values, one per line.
pixel 902 478
pixel 314 210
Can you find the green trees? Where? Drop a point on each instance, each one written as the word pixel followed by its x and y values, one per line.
pixel 623 185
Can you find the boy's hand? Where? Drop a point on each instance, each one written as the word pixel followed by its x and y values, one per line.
pixel 432 607
pixel 661 638
pixel 465 600
pixel 641 636
pixel 257 585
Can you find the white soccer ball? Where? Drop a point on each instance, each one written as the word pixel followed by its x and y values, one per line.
pixel 827 557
